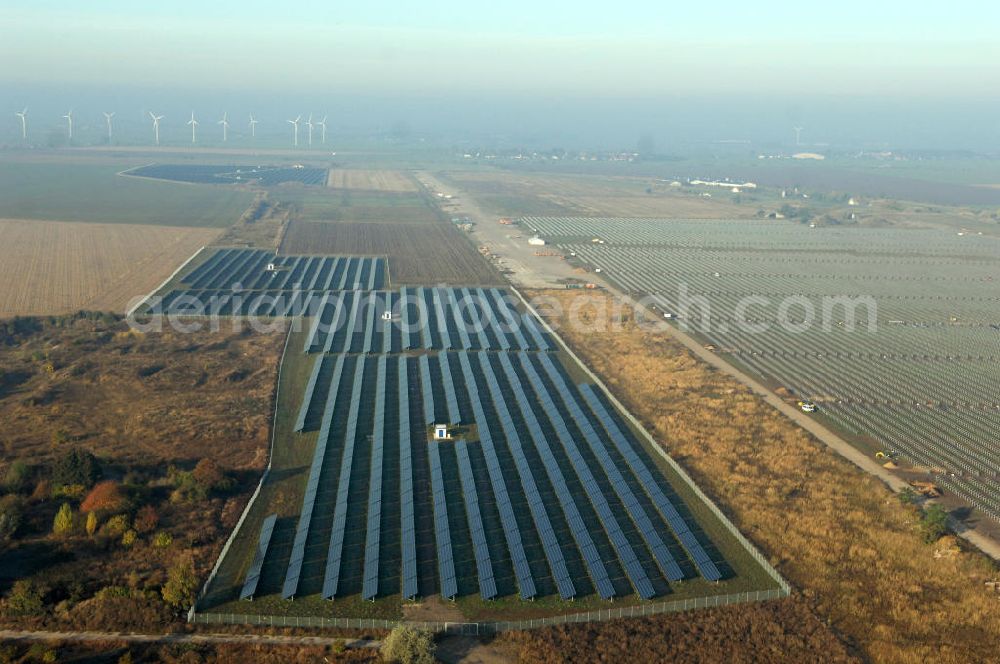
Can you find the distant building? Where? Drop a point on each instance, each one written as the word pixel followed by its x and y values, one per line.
pixel 536 241
pixel 442 432
pixel 808 155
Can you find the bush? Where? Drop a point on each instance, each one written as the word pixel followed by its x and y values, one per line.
pixel 129 538
pixel 63 523
pixel 116 526
pixel 146 519
pixel 25 599
pixel 934 523
pixel 76 466
pixel 11 516
pixel 162 540
pixel 18 477
pixel 105 497
pixel 406 645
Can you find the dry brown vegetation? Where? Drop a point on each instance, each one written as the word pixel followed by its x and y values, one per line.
pixel 852 549
pixel 370 180
pixel 785 631
pixel 53 267
pixel 217 653
pixel 179 423
pixel 428 253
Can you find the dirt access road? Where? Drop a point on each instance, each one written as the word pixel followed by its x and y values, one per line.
pixel 540 273
pixel 526 269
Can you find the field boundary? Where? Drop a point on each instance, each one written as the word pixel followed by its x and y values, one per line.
pixel 192 615
pixel 491 627
pixel 785 589
pixel 130 312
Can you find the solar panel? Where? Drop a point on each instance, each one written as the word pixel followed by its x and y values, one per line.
pixel 373 267
pixel 357 302
pixel 387 326
pixel 442 531
pixel 456 316
pixel 335 551
pixel 671 570
pixel 307 398
pixel 494 317
pixel 253 574
pixel 408 526
pixel 425 312
pixel 294 570
pixel 478 310
pixel 371 314
pixel 327 318
pixel 427 390
pixel 347 267
pixel 484 567
pixel 550 545
pixel 694 549
pixel 541 343
pixel 374 530
pixel 439 315
pixel 577 526
pixel 451 398
pixel 512 534
pixel 630 560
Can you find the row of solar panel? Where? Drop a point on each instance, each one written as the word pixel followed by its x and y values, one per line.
pixel 524 409
pixel 225 268
pixel 422 318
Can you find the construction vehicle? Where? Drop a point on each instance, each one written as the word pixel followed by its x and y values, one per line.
pixel 807 406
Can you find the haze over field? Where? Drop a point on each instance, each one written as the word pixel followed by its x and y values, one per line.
pixel 854 75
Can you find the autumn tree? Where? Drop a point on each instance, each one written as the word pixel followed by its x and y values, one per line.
pixel 146 519
pixel 63 523
pixel 181 587
pixel 106 497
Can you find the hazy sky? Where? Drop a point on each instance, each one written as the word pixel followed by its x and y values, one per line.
pixel 579 48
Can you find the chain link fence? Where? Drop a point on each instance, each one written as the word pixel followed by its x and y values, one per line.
pixel 480 628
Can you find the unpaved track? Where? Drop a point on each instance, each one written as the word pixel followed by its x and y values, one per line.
pixel 264 639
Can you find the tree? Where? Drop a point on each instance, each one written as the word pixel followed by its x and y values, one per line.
pixel 106 497
pixel 181 587
pixel 11 516
pixel 25 599
pixel 18 477
pixel 63 523
pixel 934 523
pixel 91 523
pixel 406 645
pixel 76 466
pixel 208 474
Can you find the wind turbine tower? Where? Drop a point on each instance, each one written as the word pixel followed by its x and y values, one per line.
pixel 24 123
pixel 295 125
pixel 798 136
pixel 156 126
pixel 225 126
pixel 253 127
pixel 107 118
pixel 309 124
pixel 69 125
pixel 194 129
pixel 322 126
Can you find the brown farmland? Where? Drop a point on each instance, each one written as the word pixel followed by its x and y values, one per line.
pixel 54 267
pixel 850 547
pixel 428 253
pixel 370 180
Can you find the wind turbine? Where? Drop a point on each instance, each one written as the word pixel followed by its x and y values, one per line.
pixel 253 127
pixel 798 135
pixel 156 126
pixel 69 120
pixel 24 122
pixel 194 128
pixel 295 124
pixel 309 123
pixel 225 126
pixel 107 117
pixel 322 124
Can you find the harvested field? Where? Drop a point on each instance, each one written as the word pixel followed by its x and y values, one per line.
pixel 371 180
pixel 430 253
pixel 325 204
pixel 838 535
pixel 56 267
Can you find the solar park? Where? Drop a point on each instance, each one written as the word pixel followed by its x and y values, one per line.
pixel 446 447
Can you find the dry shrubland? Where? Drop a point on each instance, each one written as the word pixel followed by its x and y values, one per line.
pixel 852 549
